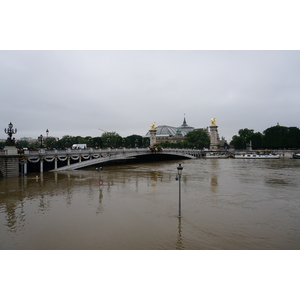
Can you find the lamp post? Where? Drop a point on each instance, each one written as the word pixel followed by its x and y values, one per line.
pixel 10 131
pixel 40 139
pixel 47 132
pixel 178 177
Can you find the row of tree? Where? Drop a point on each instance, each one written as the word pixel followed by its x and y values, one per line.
pixel 276 137
pixel 108 139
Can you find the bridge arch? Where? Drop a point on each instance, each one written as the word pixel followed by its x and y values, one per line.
pixel 56 160
pixel 124 156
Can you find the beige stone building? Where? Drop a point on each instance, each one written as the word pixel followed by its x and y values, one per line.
pixel 171 134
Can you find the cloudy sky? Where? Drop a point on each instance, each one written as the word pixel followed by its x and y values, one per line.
pixel 77 92
pixel 148 76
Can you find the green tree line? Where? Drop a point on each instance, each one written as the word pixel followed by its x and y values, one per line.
pixel 108 139
pixel 198 139
pixel 275 137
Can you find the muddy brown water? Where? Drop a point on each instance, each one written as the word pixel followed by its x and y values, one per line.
pixel 226 204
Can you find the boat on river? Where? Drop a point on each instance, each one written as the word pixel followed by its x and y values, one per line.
pixel 213 155
pixel 296 155
pixel 257 156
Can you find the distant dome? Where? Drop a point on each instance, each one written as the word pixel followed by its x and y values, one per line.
pixel 165 130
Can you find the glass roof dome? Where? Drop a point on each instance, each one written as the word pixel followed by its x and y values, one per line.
pixel 165 130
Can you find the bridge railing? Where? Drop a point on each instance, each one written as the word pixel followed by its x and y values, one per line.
pixel 43 152
pixel 82 151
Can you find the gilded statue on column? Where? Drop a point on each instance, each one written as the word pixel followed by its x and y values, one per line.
pixel 152 126
pixel 213 121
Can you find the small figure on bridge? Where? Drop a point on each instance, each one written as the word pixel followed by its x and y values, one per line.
pixel 155 149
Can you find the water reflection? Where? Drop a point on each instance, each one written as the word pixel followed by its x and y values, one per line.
pixel 179 243
pixel 214 175
pixel 100 207
pixel 226 204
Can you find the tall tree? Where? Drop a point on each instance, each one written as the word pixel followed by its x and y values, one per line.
pixel 245 133
pixel 293 140
pixel 256 140
pixel 245 137
pixel 197 139
pixel 134 140
pixel 50 142
pixel 237 142
pixel 111 139
pixel 281 137
pixel 275 137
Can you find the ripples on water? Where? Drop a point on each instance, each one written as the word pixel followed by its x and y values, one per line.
pixel 226 204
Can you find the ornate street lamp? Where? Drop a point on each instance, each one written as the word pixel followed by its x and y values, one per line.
pixel 178 177
pixel 10 131
pixel 68 142
pixel 41 139
pixel 47 132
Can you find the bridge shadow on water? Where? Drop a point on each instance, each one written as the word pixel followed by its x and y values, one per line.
pixel 151 158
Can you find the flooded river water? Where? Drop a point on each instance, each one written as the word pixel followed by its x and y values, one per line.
pixel 226 204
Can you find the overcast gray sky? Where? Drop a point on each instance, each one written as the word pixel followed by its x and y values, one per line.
pixel 77 92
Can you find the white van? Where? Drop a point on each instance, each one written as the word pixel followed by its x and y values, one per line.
pixel 79 146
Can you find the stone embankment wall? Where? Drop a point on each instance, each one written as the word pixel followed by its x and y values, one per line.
pixel 9 166
pixel 9 163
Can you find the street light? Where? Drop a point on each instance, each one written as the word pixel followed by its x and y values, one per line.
pixel 10 131
pixel 47 132
pixel 178 177
pixel 41 138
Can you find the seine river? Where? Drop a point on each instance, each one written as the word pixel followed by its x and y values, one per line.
pixel 226 204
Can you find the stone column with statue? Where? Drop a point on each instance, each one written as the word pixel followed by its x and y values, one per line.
pixel 152 135
pixel 214 136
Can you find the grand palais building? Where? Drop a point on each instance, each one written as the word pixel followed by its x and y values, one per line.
pixel 165 133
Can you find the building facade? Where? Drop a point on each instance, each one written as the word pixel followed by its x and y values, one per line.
pixel 171 134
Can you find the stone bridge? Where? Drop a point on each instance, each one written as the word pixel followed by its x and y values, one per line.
pixel 76 159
